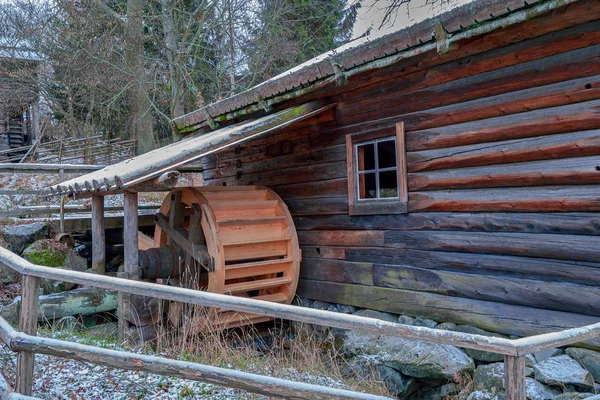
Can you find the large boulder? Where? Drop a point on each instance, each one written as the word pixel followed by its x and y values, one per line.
pixel 51 253
pixel 16 238
pixel 589 359
pixel 562 371
pixel 416 358
pixel 489 378
pixel 538 391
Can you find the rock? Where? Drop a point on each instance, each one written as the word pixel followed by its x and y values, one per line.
pixel 320 305
pixel 561 371
pixel 346 309
pixel 305 302
pixel 539 391
pixel 377 315
pixel 543 355
pixel 530 360
pixel 589 359
pixel 396 384
pixel 477 395
pixel 416 358
pixel 75 262
pixel 442 392
pixel 406 320
pixel 490 378
pixel 17 237
pixel 479 354
pixel 332 308
pixel 428 323
pixel 446 326
pixel 573 396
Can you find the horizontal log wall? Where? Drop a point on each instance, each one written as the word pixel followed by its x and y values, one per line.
pixel 503 153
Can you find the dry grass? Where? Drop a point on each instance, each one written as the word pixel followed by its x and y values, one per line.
pixel 287 351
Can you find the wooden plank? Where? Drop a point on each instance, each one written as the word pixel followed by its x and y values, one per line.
pixel 573 144
pixel 560 247
pixel 320 269
pixel 582 273
pixel 342 238
pixel 334 253
pixel 561 296
pixel 548 121
pixel 179 236
pixel 256 251
pixel 581 198
pixel 402 168
pixel 564 171
pixel 130 235
pixel 514 378
pixel 98 235
pixel 84 223
pixel 251 269
pixel 27 324
pixel 502 318
pixel 256 285
pixel 567 223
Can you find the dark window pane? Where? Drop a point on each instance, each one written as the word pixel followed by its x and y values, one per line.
pixel 366 186
pixel 366 157
pixel 386 154
pixel 388 184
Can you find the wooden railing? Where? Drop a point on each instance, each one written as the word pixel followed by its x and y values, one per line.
pixel 26 343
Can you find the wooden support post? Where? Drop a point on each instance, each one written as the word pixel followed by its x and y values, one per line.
pixel 62 199
pixel 98 235
pixel 131 264
pixel 514 377
pixel 28 321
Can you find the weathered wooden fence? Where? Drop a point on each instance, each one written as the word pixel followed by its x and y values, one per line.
pixel 26 343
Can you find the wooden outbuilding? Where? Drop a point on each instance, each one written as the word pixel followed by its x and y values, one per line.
pixel 19 108
pixel 448 170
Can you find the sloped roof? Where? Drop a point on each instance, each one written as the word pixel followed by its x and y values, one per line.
pixel 460 23
pixel 126 174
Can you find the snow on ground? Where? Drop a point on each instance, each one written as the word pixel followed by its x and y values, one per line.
pixel 64 379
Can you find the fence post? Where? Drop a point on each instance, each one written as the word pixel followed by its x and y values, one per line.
pixel 28 321
pixel 131 263
pixel 98 235
pixel 514 377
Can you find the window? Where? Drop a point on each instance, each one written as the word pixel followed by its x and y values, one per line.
pixel 377 181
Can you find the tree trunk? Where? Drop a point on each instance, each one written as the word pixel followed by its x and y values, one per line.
pixel 141 113
pixel 171 43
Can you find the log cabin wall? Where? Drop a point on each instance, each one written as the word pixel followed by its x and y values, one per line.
pixel 503 151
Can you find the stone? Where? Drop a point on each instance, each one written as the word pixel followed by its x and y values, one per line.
pixel 589 359
pixel 490 377
pixel 446 326
pixel 320 305
pixel 530 360
pixel 332 308
pixel 406 320
pixel 561 371
pixel 396 384
pixel 346 309
pixel 539 391
pixel 416 358
pixel 428 323
pixel 573 396
pixel 479 354
pixel 477 395
pixel 377 315
pixel 442 392
pixel 545 354
pixel 17 237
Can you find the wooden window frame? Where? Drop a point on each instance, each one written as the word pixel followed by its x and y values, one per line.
pixel 397 205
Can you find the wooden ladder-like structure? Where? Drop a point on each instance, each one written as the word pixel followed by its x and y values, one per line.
pixel 250 235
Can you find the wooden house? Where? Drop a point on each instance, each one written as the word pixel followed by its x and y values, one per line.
pixel 447 170
pixel 19 109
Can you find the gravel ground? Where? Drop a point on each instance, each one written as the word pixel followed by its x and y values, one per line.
pixel 57 378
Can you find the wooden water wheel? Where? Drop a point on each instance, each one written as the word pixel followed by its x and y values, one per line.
pixel 250 236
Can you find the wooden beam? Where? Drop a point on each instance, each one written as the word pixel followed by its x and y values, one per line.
pixel 98 235
pixel 514 377
pixel 27 324
pixel 130 234
pixel 180 237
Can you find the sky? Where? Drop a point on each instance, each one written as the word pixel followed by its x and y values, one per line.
pixel 371 14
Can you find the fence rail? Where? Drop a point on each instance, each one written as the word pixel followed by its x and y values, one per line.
pixel 27 343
